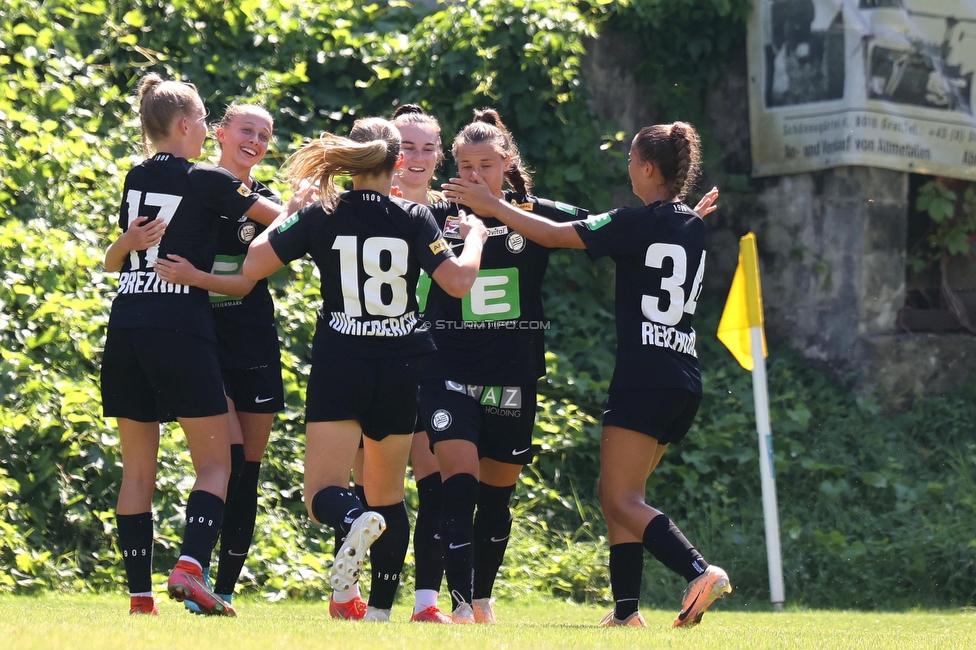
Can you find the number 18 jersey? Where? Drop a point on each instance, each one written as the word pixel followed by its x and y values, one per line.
pixel 369 250
pixel 659 251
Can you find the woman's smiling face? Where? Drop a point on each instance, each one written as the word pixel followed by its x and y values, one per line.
pixel 246 139
pixel 420 148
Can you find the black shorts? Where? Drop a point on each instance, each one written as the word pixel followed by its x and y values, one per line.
pixel 158 375
pixel 255 390
pixel 380 394
pixel 665 414
pixel 497 419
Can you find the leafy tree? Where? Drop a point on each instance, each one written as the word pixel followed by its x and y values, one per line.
pixel 870 504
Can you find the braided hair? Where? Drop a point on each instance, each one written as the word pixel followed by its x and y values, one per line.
pixel 487 128
pixel 676 150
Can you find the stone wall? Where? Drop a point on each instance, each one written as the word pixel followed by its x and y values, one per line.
pixel 832 244
pixel 835 263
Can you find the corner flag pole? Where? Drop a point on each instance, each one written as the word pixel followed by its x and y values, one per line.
pixel 741 330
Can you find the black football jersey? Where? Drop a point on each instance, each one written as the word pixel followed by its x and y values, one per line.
pixel 245 325
pixel 495 335
pixel 660 255
pixel 190 198
pixel 369 250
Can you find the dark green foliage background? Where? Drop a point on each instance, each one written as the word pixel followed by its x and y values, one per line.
pixel 876 510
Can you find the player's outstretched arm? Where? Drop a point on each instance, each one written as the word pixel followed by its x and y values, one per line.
pixel 261 260
pixel 179 270
pixel 456 275
pixel 476 195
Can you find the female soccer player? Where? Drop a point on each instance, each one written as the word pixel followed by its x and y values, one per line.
pixel 479 399
pixel 160 360
pixel 655 392
pixel 366 355
pixel 247 340
pixel 420 136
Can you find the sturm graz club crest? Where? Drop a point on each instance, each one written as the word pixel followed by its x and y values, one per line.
pixel 246 232
pixel 440 420
pixel 515 242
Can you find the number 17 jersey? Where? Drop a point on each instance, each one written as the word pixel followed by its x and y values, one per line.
pixel 189 198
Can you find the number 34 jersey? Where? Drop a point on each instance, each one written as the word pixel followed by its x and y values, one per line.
pixel 189 198
pixel 495 335
pixel 659 250
pixel 369 250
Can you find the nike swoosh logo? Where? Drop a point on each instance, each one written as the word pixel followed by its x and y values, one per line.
pixel 233 554
pixel 262 400
pixel 455 547
pixel 495 540
pixel 683 615
pixel 519 452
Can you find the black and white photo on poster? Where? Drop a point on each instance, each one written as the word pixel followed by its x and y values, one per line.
pixel 924 58
pixel 885 83
pixel 804 51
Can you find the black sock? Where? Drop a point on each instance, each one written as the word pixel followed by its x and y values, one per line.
pixel 492 526
pixel 136 545
pixel 238 529
pixel 204 512
pixel 237 460
pixel 337 507
pixel 360 491
pixel 340 534
pixel 626 571
pixel 666 543
pixel 386 555
pixel 460 494
pixel 427 551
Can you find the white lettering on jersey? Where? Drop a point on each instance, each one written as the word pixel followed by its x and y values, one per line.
pixel 388 327
pixel 668 337
pixel 373 251
pixel 167 204
pixel 656 254
pixel 131 282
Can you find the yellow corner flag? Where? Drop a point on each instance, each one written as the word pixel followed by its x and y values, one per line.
pixel 743 308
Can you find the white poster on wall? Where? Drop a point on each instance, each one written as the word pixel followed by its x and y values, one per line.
pixel 881 83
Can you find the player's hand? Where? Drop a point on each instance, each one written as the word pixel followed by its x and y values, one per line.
pixel 707 204
pixel 303 195
pixel 473 193
pixel 472 224
pixel 143 234
pixel 176 270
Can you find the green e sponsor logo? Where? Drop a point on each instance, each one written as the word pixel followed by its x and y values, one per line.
pixel 423 290
pixel 494 296
pixel 226 265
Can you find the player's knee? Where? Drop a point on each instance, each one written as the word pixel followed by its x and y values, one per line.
pixel 617 503
pixel 213 471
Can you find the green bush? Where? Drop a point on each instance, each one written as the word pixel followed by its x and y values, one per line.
pixel 876 510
